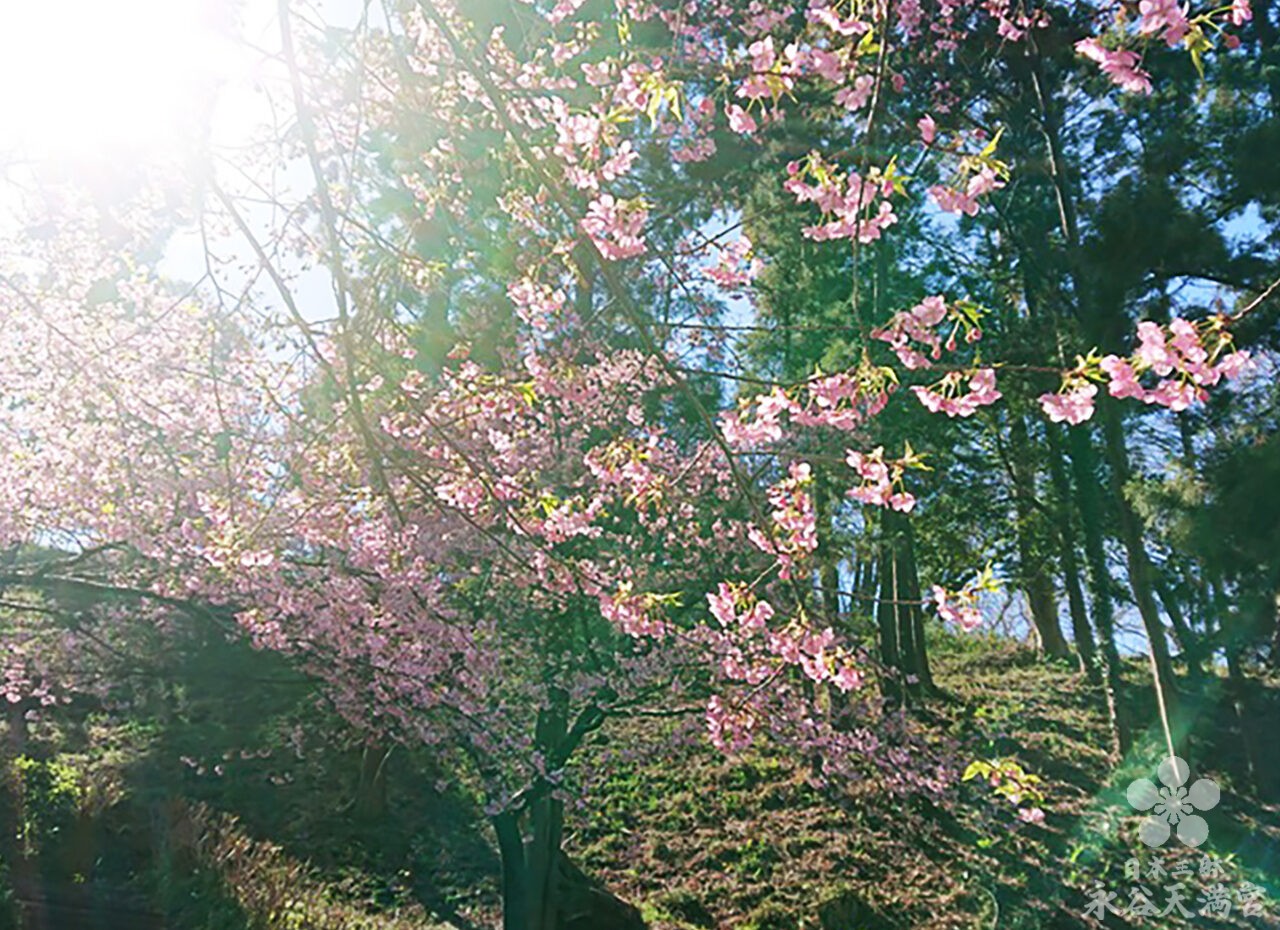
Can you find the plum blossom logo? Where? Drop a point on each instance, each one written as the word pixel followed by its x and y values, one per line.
pixel 1173 807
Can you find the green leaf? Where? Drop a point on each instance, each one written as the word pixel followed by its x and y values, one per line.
pixel 990 148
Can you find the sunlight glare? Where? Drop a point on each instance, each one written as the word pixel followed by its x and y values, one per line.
pixel 87 80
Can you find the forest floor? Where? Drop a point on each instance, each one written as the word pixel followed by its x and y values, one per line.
pixel 696 840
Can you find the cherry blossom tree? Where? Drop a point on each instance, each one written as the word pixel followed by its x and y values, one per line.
pixel 497 548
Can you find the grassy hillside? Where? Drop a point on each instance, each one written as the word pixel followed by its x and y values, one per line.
pixel 695 840
pixel 707 842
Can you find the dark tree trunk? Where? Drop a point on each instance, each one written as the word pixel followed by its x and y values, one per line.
pixel 1238 689
pixel 515 891
pixel 1090 507
pixel 1081 631
pixel 899 616
pixel 887 624
pixel 542 852
pixel 542 889
pixel 911 589
pixel 1037 584
pixel 1191 644
pixel 1140 574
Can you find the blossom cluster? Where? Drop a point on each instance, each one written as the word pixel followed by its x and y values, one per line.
pixel 795 528
pixel 753 650
pixel 1168 22
pixel 919 325
pixel 635 614
pixel 842 401
pixel 1120 65
pixel 908 332
pixel 736 265
pixel 946 396
pixel 960 608
pixel 950 200
pixel 850 201
pixel 1185 357
pixel 537 304
pixel 882 479
pixel 616 226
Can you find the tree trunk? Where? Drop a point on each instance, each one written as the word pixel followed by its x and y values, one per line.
pixel 1037 585
pixel 542 889
pixel 911 590
pixel 1090 507
pixel 515 891
pixel 887 622
pixel 1043 606
pixel 542 853
pixel 1261 778
pixel 1081 632
pixel 1140 575
pixel 1188 641
pixel 530 869
pixel 899 615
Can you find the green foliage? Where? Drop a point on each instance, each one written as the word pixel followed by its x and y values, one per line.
pixel 48 794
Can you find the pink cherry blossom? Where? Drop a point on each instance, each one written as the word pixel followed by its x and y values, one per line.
pixel 1033 815
pixel 928 129
pixel 881 480
pixel 855 97
pixel 1165 17
pixel 1072 406
pixel 794 534
pixel 966 202
pixel 536 304
pixel 1120 65
pixel 730 730
pixel 845 199
pixel 960 609
pixel 1175 394
pixel 736 265
pixel 826 16
pixel 1234 364
pixel 945 397
pixel 910 331
pixel 740 121
pixel 563 10
pixel 1124 381
pixel 616 227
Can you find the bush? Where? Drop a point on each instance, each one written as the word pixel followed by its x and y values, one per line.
pixel 48 794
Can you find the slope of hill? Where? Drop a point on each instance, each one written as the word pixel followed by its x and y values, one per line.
pixel 693 839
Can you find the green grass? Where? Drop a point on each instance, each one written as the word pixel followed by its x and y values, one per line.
pixel 696 840
pixel 750 843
